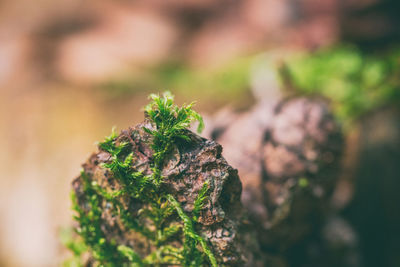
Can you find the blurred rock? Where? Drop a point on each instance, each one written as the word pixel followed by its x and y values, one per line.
pixel 300 161
pixel 288 155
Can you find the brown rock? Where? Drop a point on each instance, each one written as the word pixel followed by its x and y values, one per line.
pixel 287 153
pixel 300 160
pixel 222 220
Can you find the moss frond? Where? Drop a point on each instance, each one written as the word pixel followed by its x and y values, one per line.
pixel 169 124
pixel 190 233
pixel 200 199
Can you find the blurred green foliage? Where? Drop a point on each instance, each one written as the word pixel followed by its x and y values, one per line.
pixel 227 83
pixel 77 247
pixel 355 82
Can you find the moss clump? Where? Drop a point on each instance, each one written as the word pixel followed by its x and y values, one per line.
pixel 356 83
pixel 168 127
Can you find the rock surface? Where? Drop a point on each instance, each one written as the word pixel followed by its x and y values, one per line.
pixel 287 153
pixel 222 220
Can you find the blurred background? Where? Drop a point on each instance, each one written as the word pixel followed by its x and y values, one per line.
pixel 70 70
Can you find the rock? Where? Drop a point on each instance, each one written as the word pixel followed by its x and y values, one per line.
pixel 190 165
pixel 287 153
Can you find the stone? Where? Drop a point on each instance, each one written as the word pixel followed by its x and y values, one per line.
pixel 222 219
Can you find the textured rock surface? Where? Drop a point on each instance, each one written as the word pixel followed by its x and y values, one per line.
pixel 222 220
pixel 287 153
pixel 242 141
pixel 300 158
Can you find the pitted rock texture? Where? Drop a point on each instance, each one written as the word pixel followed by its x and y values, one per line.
pixel 222 220
pixel 300 158
pixel 287 153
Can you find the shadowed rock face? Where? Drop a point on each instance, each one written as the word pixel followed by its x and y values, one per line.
pixel 287 153
pixel 187 168
pixel 300 158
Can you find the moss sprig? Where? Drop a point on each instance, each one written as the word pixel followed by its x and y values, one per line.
pixel 169 121
pixel 168 127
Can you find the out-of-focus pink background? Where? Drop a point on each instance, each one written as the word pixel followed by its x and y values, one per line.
pixel 70 70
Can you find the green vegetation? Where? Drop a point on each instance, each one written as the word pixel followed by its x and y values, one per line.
pixel 152 221
pixel 227 83
pixel 355 83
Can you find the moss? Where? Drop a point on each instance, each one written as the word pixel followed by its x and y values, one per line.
pixel 356 83
pixel 168 127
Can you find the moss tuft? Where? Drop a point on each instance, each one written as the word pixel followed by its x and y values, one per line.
pixel 168 127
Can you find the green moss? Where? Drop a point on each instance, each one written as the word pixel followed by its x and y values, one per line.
pixel 169 122
pixel 356 83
